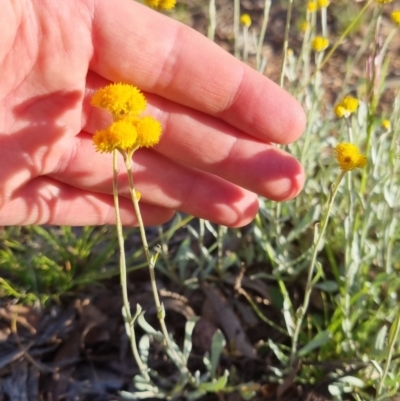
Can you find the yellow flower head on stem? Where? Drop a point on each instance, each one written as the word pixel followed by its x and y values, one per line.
pixel 152 3
pixel 395 16
pixel 319 44
pixel 304 26
pixel 121 135
pixel 148 131
pixel 349 157
pixel 312 6
pixel 245 20
pixel 120 100
pixel 167 4
pixel 323 3
pixel 386 125
pixel 346 107
pixel 129 131
pixel 161 4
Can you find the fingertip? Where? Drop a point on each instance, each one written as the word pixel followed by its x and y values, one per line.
pixel 295 123
pixel 243 212
pixel 289 185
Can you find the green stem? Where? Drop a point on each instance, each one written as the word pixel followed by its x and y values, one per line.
pixel 245 43
pixel 212 13
pixel 236 31
pixel 122 266
pixel 303 309
pixel 394 333
pixel 267 7
pixel 150 260
pixel 344 34
pixel 285 43
pixel 339 41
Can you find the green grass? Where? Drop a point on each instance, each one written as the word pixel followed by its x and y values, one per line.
pixel 350 329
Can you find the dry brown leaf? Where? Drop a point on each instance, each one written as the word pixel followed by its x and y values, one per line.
pixel 228 321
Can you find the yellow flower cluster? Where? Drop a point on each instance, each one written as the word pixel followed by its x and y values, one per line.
pixel 349 157
pixel 129 131
pixel 383 1
pixel 314 5
pixel 120 100
pixel 161 4
pixel 319 43
pixel 346 107
pixel 395 16
pixel 245 20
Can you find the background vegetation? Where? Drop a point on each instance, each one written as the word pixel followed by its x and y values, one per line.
pixel 273 324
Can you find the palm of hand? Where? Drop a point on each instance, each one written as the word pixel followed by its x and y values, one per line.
pixel 215 153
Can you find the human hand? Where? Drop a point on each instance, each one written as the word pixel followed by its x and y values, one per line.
pixel 219 118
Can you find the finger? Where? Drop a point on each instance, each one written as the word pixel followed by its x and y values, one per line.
pixel 204 142
pixel 161 182
pixel 46 201
pixel 165 57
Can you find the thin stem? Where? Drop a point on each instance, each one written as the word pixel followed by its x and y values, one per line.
pixel 303 309
pixel 349 273
pixel 285 43
pixel 245 43
pixel 392 341
pixel 236 31
pixel 324 22
pixel 339 41
pixel 344 34
pixel 220 248
pixel 267 7
pixel 150 260
pixel 122 266
pixel 212 23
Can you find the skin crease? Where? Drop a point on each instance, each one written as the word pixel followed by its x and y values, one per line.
pixel 219 118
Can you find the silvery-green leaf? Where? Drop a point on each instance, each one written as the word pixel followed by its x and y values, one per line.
pixel 144 346
pixel 216 385
pixel 319 340
pixel 217 345
pixel 187 342
pixel 148 328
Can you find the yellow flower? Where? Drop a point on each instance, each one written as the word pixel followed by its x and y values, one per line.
pixel 120 100
pixel 319 43
pixel 304 26
pixel 148 131
pixel 386 125
pixel 128 132
pixel 383 1
pixel 121 135
pixel 312 6
pixel 167 4
pixel 152 3
pixel 347 106
pixel 323 3
pixel 349 157
pixel 161 4
pixel 245 20
pixel 395 16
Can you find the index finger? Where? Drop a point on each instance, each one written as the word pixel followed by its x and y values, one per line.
pixel 137 45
